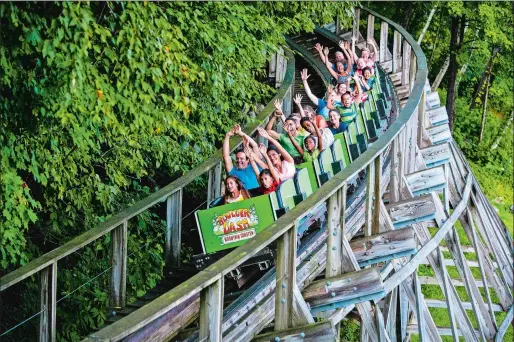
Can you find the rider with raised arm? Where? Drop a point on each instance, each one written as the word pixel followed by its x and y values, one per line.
pixel 241 170
pixel 283 139
pixel 280 159
pixel 323 105
pixel 269 178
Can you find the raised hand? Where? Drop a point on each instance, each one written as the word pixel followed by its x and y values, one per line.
pixel 330 89
pixel 347 44
pixel 304 75
pixel 246 142
pixel 278 105
pixel 298 99
pixel 237 130
pixel 262 132
pixel 248 151
pixel 342 44
pixel 326 51
pixel 263 149
pixel 318 47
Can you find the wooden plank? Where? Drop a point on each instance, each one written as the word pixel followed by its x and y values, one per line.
pixel 371 28
pixel 419 309
pixel 48 295
pixel 348 287
pixel 439 134
pixel 335 234
pixel 170 324
pixel 406 62
pixel 211 312
pixel 380 324
pixel 505 325
pixel 447 295
pixel 397 52
pixel 173 228
pixel 436 155
pixel 214 183
pixel 369 199
pixel 436 116
pixel 118 279
pixel 426 181
pixel 443 331
pixel 355 27
pixel 285 265
pixel 390 307
pixel 384 28
pixel 322 332
pixel 377 195
pixel 432 100
pixel 415 210
pixel 441 304
pixel 384 246
pixel 301 310
pixel 394 195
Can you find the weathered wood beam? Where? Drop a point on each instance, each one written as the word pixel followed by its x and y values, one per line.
pixel 442 331
pixel 173 228
pixel 214 184
pixel 118 279
pixel 447 294
pixel 384 246
pixel 377 195
pixel 355 27
pixel 211 312
pixel 371 29
pixel 322 332
pixel 285 265
pixel 384 28
pixel 419 309
pixel 442 304
pixel 412 210
pixel 505 325
pixel 301 310
pixel 397 52
pixel 406 63
pixel 368 227
pixel 48 294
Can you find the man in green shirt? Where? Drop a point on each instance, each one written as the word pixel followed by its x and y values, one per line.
pixel 283 139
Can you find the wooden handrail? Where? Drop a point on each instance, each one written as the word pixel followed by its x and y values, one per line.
pixel 222 267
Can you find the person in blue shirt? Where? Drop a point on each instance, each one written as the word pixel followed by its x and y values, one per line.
pixel 242 170
pixel 324 105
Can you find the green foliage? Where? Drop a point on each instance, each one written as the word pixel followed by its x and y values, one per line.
pixel 101 101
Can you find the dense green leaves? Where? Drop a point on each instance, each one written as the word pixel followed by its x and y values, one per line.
pixel 100 101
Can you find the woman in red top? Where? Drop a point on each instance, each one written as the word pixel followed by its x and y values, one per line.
pixel 269 178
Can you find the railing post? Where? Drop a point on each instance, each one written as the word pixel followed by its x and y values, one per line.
pixel 369 199
pixel 371 28
pixel 394 176
pixel 338 25
pixel 48 293
pixel 412 71
pixel 384 27
pixel 118 284
pixel 173 228
pixel 211 312
pixel 285 265
pixel 406 63
pixel 378 196
pixel 214 184
pixel 355 28
pixel 397 52
pixel 421 120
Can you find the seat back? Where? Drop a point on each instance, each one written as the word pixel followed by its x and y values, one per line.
pixel 344 147
pixel 303 182
pixel 313 179
pixel 286 193
pixel 325 160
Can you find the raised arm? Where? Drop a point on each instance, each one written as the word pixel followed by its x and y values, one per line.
pixel 287 157
pixel 295 143
pixel 345 45
pixel 319 48
pixel 269 125
pixel 272 170
pixel 298 101
pixel 349 59
pixel 249 142
pixel 372 55
pixel 311 96
pixel 329 68
pixel 226 151
pixel 255 169
pixel 318 134
pixel 358 98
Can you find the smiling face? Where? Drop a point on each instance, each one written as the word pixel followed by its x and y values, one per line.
pixel 310 144
pixel 367 74
pixel 334 117
pixel 339 56
pixel 361 63
pixel 340 67
pixel 241 160
pixel 290 126
pixel 309 112
pixel 231 185
pixel 274 156
pixel 266 180
pixel 341 88
pixel 346 99
pixel 309 127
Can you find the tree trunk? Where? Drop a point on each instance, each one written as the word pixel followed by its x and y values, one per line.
pixel 453 68
pixel 429 20
pixel 408 15
pixel 485 76
pixel 484 111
